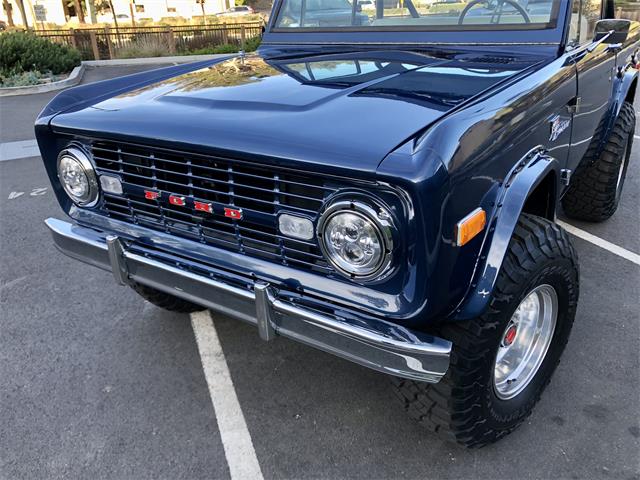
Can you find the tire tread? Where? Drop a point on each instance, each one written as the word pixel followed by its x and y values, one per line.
pixel 165 300
pixel 452 407
pixel 592 193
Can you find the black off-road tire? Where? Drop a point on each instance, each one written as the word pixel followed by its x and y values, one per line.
pixel 463 406
pixel 594 192
pixel 166 301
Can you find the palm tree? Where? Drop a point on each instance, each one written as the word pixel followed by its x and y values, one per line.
pixel 79 12
pixel 7 8
pixel 103 5
pixel 91 6
pixel 23 13
pixel 204 17
pixel 113 12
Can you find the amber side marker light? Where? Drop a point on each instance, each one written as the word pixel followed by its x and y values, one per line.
pixel 470 226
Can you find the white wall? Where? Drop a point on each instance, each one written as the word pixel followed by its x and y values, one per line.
pixel 157 9
pixel 53 9
pixel 154 9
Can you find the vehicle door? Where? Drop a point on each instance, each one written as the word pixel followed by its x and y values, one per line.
pixel 595 66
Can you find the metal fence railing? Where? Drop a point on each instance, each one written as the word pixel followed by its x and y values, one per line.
pixel 108 43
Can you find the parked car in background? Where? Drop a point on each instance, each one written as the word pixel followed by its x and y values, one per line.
pixel 367 4
pixel 108 17
pixel 384 189
pixel 238 11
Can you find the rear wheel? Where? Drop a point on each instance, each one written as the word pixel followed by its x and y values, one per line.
pixel 165 300
pixel 596 186
pixel 502 361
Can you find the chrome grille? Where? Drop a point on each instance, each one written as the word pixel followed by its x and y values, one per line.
pixel 261 191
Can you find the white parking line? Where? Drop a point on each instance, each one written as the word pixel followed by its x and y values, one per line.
pixel 16 150
pixel 236 440
pixel 611 247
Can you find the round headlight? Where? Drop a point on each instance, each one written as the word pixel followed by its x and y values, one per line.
pixel 356 239
pixel 78 177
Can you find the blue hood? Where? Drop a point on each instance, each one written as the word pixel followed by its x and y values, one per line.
pixel 345 111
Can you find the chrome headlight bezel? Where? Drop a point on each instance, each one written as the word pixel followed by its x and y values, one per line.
pixel 82 159
pixel 382 223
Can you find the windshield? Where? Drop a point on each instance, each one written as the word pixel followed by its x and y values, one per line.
pixel 417 14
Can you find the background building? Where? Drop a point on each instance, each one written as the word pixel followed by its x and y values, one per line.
pixel 40 13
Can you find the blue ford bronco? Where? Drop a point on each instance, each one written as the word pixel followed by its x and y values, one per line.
pixel 380 184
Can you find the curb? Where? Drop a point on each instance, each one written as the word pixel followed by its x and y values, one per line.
pixel 74 78
pixel 152 60
pixel 76 74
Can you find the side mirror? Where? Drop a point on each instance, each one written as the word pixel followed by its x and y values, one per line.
pixel 615 31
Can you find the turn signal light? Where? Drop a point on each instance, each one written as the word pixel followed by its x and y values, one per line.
pixel 295 227
pixel 470 226
pixel 111 184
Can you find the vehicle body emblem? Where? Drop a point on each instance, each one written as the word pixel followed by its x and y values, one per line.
pixel 235 213
pixel 151 195
pixel 558 125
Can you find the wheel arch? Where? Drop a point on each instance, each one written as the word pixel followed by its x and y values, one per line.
pixel 630 96
pixel 543 198
pixel 626 92
pixel 533 180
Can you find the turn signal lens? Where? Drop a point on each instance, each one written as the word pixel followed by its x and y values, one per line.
pixel 470 226
pixel 111 184
pixel 295 227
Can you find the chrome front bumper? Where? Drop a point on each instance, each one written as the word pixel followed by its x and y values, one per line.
pixel 374 343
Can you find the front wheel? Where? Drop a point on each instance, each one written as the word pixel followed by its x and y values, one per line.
pixel 502 361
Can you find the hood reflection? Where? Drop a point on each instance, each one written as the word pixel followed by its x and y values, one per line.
pixel 234 72
pixel 420 79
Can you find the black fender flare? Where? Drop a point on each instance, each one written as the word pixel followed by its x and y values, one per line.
pixel 628 81
pixel 620 92
pixel 517 187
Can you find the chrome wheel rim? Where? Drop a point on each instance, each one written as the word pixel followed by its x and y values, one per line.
pixel 525 342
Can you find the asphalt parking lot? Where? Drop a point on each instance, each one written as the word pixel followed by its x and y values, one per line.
pixel 97 383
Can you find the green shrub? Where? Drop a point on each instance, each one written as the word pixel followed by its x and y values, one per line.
pixel 252 44
pixel 25 79
pixel 225 48
pixel 25 52
pixel 249 46
pixel 145 46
